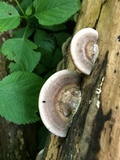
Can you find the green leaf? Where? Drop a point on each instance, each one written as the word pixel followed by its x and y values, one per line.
pixel 56 58
pixel 42 136
pixel 40 69
pixel 9 17
pixel 22 52
pixel 25 4
pixel 61 37
pixel 49 73
pixel 46 57
pixel 44 40
pixel 19 97
pixel 55 28
pixel 56 11
pixel 20 32
pixel 29 10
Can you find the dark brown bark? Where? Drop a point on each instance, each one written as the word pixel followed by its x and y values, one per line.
pixel 95 130
pixel 17 142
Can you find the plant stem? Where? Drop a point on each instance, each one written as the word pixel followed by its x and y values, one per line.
pixel 25 30
pixel 20 7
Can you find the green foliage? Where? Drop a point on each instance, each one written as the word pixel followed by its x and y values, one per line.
pixel 43 132
pixel 33 52
pixel 18 97
pixel 28 11
pixel 22 52
pixel 43 40
pixel 54 12
pixel 9 17
pixel 20 33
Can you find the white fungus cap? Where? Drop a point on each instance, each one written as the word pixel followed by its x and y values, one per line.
pixel 54 110
pixel 84 50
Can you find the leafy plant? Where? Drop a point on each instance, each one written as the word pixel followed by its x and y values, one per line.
pixel 18 100
pixel 34 52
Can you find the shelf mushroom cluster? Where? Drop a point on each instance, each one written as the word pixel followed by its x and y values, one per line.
pixel 60 95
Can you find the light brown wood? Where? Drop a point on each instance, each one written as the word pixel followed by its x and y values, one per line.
pixel 95 130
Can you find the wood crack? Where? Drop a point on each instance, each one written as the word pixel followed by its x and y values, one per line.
pixel 101 7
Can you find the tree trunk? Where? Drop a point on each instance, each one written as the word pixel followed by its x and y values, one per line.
pixel 95 130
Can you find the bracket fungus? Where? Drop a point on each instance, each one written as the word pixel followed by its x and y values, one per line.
pixel 59 100
pixel 84 50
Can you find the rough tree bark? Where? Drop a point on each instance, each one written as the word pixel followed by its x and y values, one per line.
pixel 95 131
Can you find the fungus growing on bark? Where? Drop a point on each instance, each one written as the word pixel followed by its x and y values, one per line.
pixel 59 100
pixel 84 50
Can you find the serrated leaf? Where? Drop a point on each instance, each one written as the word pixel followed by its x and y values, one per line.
pixel 19 97
pixel 22 52
pixel 56 11
pixel 9 17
